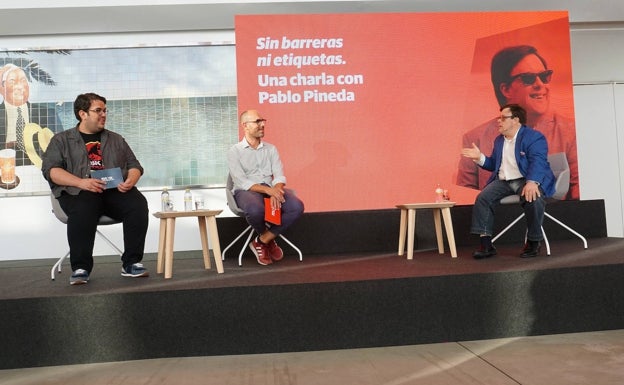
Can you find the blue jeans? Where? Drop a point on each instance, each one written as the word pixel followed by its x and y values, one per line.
pixel 489 198
pixel 252 204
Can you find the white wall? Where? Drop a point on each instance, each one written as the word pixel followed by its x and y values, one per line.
pixel 600 148
pixel 599 105
pixel 36 233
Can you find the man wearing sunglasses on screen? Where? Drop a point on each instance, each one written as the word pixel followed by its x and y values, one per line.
pixel 257 173
pixel 520 75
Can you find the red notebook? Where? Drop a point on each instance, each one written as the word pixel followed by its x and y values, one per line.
pixel 270 215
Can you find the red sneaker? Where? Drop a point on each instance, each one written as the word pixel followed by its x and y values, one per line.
pixel 261 251
pixel 275 252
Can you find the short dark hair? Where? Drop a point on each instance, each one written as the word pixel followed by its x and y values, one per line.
pixel 516 112
pixel 83 102
pixel 504 61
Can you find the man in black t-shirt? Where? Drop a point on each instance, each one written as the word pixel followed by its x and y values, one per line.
pixel 68 162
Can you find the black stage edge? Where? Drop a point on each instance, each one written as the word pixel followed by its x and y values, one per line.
pixel 377 230
pixel 334 299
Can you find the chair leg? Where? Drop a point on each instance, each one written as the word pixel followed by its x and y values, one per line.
pixel 233 242
pixel 240 255
pixel 508 227
pixel 57 265
pixel 582 238
pixel 111 244
pixel 546 241
pixel 251 232
pixel 293 246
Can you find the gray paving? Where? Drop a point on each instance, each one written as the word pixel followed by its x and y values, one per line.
pixel 564 359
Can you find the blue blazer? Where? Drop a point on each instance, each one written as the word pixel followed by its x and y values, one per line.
pixel 531 155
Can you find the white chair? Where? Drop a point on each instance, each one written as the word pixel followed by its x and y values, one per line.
pixel 61 216
pixel 231 202
pixel 561 169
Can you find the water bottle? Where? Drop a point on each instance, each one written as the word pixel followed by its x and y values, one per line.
pixel 439 194
pixel 188 200
pixel 164 200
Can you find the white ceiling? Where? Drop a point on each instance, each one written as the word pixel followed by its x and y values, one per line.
pixel 70 17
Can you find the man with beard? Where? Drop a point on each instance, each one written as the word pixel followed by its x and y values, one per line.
pixel 67 165
pixel 256 170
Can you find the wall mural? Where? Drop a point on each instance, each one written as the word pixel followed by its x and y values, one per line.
pixel 176 107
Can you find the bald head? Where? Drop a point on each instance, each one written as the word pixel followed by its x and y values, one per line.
pixel 15 88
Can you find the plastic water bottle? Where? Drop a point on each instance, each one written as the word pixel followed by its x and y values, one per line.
pixel 188 200
pixel 164 200
pixel 439 194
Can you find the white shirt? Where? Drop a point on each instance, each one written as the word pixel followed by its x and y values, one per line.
pixel 509 167
pixel 249 166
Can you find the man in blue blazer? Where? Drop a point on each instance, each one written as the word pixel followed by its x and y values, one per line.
pixel 519 165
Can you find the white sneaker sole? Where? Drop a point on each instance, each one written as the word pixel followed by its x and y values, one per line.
pixel 143 274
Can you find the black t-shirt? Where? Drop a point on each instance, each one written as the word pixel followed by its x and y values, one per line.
pixel 94 150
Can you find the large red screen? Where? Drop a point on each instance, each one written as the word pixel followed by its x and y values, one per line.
pixel 368 110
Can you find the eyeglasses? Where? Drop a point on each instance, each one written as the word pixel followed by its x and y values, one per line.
pixel 257 121
pixel 504 117
pixel 100 111
pixel 529 78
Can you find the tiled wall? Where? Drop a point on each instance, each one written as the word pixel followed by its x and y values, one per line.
pixel 176 106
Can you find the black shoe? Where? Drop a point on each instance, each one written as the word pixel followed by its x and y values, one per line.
pixel 531 249
pixel 484 252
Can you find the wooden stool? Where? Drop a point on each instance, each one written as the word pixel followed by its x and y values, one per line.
pixel 408 225
pixel 167 231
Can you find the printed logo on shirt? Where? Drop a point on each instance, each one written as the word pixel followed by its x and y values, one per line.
pixel 94 151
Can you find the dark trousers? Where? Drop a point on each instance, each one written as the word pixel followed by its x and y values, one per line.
pixel 489 198
pixel 84 211
pixel 252 204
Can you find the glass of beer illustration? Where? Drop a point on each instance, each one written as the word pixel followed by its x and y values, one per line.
pixel 7 165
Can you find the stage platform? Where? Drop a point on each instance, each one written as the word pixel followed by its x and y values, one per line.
pixel 328 301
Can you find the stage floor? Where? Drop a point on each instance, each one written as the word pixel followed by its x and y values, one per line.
pixel 31 278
